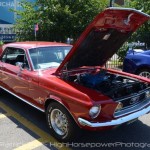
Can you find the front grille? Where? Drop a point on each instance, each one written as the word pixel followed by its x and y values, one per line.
pixel 133 100
pixel 133 103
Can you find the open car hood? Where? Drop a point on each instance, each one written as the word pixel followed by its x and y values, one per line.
pixel 103 37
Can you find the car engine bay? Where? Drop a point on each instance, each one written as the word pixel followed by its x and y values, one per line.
pixel 113 85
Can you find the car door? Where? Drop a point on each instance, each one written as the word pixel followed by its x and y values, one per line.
pixel 13 75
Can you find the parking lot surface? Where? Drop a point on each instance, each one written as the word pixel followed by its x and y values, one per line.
pixel 24 128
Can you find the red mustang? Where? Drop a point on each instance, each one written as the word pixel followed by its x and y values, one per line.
pixel 73 87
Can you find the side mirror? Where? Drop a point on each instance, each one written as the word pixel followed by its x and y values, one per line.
pixel 20 65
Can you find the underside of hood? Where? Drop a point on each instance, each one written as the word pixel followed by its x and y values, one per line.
pixel 97 48
pixel 103 37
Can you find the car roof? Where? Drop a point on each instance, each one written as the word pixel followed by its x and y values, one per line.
pixel 34 44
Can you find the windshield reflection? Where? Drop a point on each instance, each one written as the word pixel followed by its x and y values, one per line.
pixel 48 57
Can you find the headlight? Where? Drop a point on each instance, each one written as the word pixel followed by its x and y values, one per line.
pixel 94 111
pixel 147 94
pixel 119 106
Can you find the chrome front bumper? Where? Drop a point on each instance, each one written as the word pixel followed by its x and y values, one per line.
pixel 118 121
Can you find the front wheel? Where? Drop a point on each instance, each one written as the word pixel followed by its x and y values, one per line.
pixel 144 73
pixel 60 123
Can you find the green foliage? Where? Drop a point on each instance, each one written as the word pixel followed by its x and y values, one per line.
pixel 1 43
pixel 122 52
pixel 60 19
pixel 143 33
pixel 57 19
pixel 25 22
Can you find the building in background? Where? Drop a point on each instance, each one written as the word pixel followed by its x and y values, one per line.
pixel 7 19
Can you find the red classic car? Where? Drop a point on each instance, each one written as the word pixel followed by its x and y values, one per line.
pixel 71 84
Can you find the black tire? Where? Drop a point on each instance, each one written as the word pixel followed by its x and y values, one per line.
pixel 144 72
pixel 70 129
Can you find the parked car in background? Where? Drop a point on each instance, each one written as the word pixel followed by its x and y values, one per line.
pixel 73 87
pixel 137 62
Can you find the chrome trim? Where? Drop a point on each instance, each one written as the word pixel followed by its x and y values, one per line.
pixel 22 99
pixel 59 122
pixel 135 94
pixel 99 110
pixel 64 107
pixel 32 66
pixel 132 109
pixel 29 60
pixel 118 121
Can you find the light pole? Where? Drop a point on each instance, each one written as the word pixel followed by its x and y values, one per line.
pixel 119 2
pixel 111 3
pixel 15 8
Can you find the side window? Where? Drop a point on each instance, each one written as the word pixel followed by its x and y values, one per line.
pixel 15 55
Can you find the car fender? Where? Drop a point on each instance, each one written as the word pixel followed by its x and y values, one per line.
pixel 53 98
pixel 143 66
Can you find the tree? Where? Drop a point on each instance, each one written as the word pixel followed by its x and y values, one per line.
pixel 143 33
pixel 57 19
pixel 25 23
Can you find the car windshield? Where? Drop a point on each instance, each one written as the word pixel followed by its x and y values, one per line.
pixel 48 57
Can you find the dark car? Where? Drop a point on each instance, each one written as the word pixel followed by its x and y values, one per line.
pixel 137 62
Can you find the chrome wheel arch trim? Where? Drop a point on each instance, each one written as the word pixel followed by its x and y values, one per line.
pixel 42 110
pixel 52 99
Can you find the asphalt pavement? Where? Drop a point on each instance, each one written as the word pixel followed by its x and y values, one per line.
pixel 22 127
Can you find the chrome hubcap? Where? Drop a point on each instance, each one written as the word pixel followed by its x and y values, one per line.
pixel 59 122
pixel 145 74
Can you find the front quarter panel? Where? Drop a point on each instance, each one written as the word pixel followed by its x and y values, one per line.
pixel 75 101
